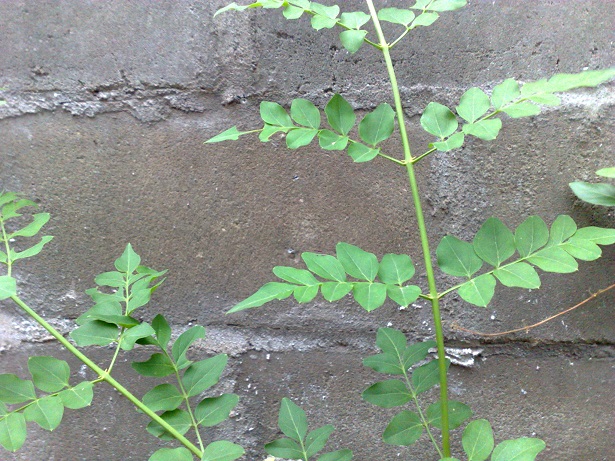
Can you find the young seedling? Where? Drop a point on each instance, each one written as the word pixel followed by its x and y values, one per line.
pixel 495 255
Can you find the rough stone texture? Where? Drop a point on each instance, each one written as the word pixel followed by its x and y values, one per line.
pixel 108 108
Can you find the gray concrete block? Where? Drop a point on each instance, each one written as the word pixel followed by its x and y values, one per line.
pixel 108 107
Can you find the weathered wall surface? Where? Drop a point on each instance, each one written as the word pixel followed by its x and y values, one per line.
pixel 108 107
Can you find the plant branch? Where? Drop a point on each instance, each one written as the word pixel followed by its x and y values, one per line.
pixel 454 326
pixel 106 377
pixel 435 306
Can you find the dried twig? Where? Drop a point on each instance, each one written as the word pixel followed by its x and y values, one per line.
pixel 529 327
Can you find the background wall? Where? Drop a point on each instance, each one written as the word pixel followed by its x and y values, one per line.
pixel 108 107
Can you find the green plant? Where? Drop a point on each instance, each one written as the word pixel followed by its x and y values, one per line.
pixel 111 321
pixel 510 258
pixel 596 193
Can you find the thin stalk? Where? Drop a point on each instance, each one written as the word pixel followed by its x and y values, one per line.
pixel 421 414
pixel 433 292
pixel 106 377
pixel 7 249
pixel 187 400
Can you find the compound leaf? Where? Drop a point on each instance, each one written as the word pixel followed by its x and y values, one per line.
pixel 328 140
pixel 531 235
pixel 377 125
pixel 387 363
pixel 523 449
pixel 458 258
pixel 391 341
pixel 15 390
pixel 268 292
pixel 478 291
pixel 95 333
pixel 274 114
pixel 505 92
pixel 356 262
pixel 325 266
pixel 164 397
pixel 13 431
pixel 316 439
pixel 177 419
pixel 425 19
pixel 477 440
pixel 38 221
pixel 598 235
pixel 232 134
pixel 585 250
pixel 79 396
pixel 32 251
pixel 171 454
pixel 162 329
pixel 328 11
pixel 339 455
pixel 562 228
pixel 453 142
pixel 292 12
pixel 361 153
pixel 355 20
pixel 352 40
pixel 438 119
pixel 129 261
pixel 292 420
pixel 48 373
pixel 426 376
pixel 222 451
pixel 521 109
pixel 295 276
pixel 213 410
pixel 334 291
pixel 387 394
pixel 404 429
pixel 158 365
pixel 183 342
pixel 554 259
pixel 340 114
pixel 46 412
pixel 8 287
pixel 606 172
pixel 300 137
pixel 494 243
pixel 305 294
pixel 473 104
pixel 416 352
pixel 284 448
pixel 132 335
pixel 369 295
pixel 447 5
pixel 458 412
pixel 395 269
pixel 396 16
pixel 305 113
pixel 487 130
pixel 596 194
pixel 519 274
pixel 203 374
pixel 403 296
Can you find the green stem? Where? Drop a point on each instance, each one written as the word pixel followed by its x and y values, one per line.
pixel 421 414
pixel 5 239
pixel 106 377
pixel 187 400
pixel 433 292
